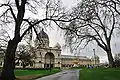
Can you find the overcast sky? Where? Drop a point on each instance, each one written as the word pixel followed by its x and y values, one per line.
pixel 56 35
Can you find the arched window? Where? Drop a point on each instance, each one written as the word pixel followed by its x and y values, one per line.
pixel 58 54
pixel 0 63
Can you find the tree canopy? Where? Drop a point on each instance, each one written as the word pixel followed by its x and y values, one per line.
pixel 96 20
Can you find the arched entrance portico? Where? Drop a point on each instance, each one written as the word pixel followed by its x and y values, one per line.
pixel 49 60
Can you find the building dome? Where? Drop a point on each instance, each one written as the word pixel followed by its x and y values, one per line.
pixel 44 39
pixel 42 34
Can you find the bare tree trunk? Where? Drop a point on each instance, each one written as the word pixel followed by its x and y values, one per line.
pixel 109 53
pixel 9 62
pixel 110 58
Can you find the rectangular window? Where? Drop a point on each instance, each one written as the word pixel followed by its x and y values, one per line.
pixel 0 63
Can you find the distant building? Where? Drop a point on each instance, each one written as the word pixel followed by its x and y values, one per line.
pixel 47 57
pixel 72 61
pixel 117 56
pixel 95 60
pixel 1 58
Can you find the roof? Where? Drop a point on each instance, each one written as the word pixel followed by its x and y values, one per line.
pixel 73 57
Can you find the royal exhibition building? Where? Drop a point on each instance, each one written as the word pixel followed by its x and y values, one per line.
pixel 51 56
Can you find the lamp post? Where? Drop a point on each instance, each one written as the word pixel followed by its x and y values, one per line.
pixel 50 59
pixel 94 57
pixel 50 62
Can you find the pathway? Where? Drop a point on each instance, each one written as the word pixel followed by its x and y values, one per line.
pixel 64 75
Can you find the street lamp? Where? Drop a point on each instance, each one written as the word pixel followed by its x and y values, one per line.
pixel 94 57
pixel 50 62
pixel 50 58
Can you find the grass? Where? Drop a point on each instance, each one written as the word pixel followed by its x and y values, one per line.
pixel 100 74
pixel 33 74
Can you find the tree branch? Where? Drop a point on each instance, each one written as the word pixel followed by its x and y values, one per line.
pixel 10 8
pixel 103 47
pixel 46 19
pixel 113 25
pixel 17 3
pixel 98 35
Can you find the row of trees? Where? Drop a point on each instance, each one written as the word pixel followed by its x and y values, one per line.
pixel 25 55
pixel 90 20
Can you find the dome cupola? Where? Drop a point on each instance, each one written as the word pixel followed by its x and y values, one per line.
pixel 44 39
pixel 42 34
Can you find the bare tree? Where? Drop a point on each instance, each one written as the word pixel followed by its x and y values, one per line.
pixel 95 22
pixel 22 16
pixel 115 6
pixel 25 54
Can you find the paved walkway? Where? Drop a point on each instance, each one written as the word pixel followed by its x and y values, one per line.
pixel 64 75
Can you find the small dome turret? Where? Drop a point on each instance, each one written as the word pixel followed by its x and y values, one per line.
pixel 57 46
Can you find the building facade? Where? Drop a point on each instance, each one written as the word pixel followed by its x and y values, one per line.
pixel 47 57
pixel 117 56
pixel 1 57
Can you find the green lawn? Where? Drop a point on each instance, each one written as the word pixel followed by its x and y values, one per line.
pixel 30 74
pixel 100 74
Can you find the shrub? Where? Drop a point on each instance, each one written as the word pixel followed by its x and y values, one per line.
pixel 117 62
